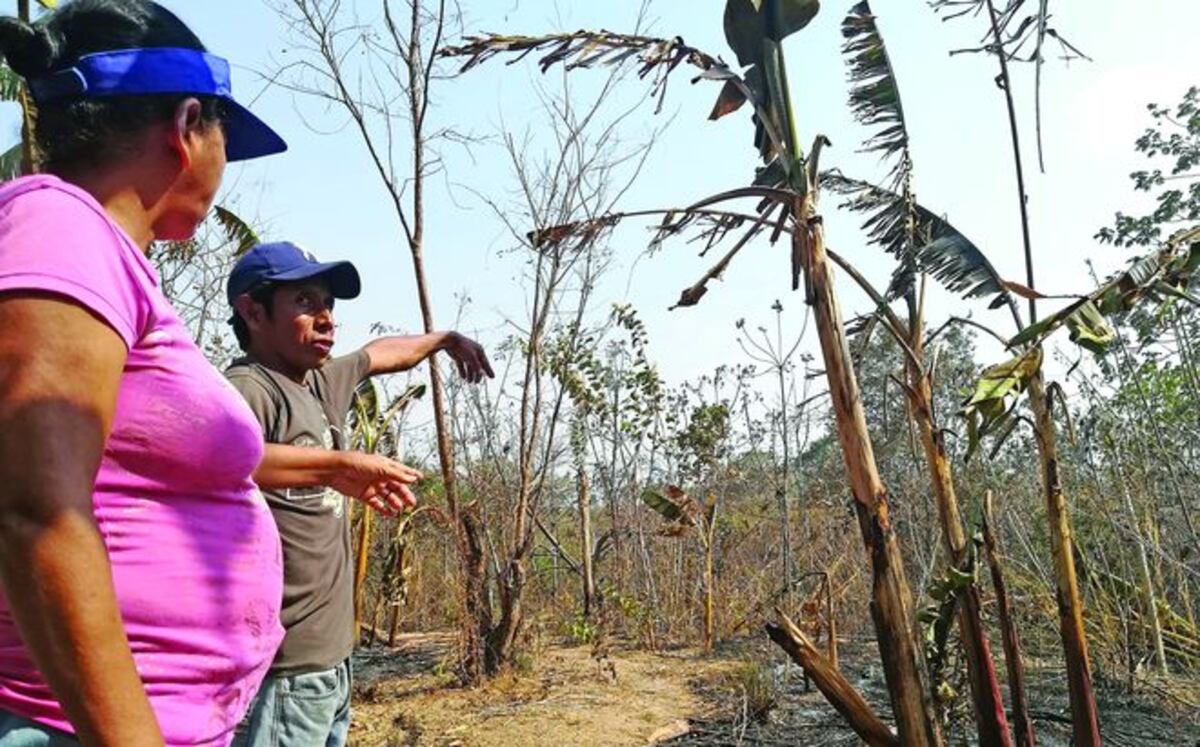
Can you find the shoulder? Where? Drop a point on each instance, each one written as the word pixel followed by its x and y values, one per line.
pixel 54 237
pixel 46 202
pixel 253 380
pixel 345 370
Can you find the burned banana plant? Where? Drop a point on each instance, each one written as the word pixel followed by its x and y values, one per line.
pixel 786 189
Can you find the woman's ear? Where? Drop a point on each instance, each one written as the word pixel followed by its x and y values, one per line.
pixel 185 126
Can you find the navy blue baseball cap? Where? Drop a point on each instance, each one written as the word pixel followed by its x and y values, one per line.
pixel 163 70
pixel 284 262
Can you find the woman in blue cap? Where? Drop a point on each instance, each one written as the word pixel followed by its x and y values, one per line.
pixel 140 577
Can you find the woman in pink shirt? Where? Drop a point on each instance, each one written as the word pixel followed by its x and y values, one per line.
pixel 140 576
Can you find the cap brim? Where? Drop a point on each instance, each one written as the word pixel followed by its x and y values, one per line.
pixel 247 136
pixel 344 281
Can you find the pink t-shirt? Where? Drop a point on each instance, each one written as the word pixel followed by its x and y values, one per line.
pixel 194 551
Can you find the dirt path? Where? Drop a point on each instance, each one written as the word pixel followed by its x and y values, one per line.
pixel 569 697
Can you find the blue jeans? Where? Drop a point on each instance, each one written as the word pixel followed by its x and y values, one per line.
pixel 302 710
pixel 21 732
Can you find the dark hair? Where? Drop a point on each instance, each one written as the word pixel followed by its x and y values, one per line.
pixel 83 133
pixel 263 295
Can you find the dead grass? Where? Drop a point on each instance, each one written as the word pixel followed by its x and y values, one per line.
pixel 568 697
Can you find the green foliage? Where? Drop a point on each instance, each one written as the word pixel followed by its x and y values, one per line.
pixel 1159 278
pixel 573 358
pixel 1173 137
pixel 704 439
pixel 990 408
pixel 10 163
pixel 937 621
pixel 11 84
pixel 1088 327
pixel 582 630
pixel 237 230
pixel 374 426
pixel 644 390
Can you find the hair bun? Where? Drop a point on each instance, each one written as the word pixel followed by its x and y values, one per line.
pixel 27 48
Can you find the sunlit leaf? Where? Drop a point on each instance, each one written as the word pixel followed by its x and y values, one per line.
pixel 10 84
pixel 10 163
pixel 988 409
pixel 1168 273
pixel 1090 330
pixel 238 230
pixel 660 503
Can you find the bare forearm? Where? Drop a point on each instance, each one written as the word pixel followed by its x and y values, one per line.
pixel 285 466
pixel 400 353
pixel 58 583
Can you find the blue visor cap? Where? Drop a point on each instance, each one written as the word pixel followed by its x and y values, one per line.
pixel 165 70
pixel 284 262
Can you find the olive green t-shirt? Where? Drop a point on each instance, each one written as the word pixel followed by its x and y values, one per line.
pixel 314 525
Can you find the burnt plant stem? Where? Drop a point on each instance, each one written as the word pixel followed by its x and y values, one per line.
pixel 1070 602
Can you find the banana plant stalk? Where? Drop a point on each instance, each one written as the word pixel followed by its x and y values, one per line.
pixel 373 431
pixel 788 189
pixel 1070 604
pixel 907 231
pixel 1023 732
pixel 891 598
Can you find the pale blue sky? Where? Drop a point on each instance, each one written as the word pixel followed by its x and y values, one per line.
pixel 324 194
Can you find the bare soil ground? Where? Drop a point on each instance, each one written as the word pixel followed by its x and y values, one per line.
pixel 576 696
pixel 568 697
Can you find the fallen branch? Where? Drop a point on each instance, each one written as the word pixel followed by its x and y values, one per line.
pixel 836 688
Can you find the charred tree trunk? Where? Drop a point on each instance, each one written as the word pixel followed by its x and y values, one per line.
pixel 836 688
pixel 1070 604
pixel 990 719
pixel 891 605
pixel 1022 723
